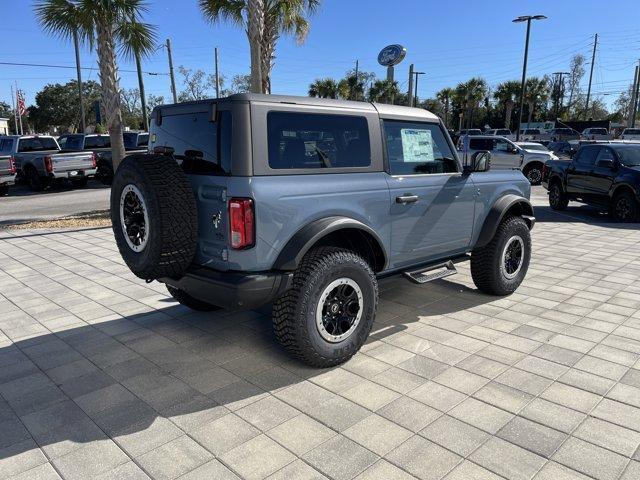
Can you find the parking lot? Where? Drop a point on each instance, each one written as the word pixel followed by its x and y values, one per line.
pixel 102 375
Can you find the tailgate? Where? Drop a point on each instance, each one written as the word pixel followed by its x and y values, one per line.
pixel 64 162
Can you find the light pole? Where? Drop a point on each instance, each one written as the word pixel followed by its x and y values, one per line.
pixel 415 86
pixel 525 18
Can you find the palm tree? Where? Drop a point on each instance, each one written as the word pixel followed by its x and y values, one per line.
pixel 279 16
pixel 468 96
pixel 324 88
pixel 506 94
pixel 444 96
pixel 383 91
pixel 536 92
pixel 107 25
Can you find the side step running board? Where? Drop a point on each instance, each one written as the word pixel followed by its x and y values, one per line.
pixel 431 273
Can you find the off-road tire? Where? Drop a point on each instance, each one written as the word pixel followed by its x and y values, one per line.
pixel 628 213
pixel 533 172
pixel 294 312
pixel 80 182
pixel 188 301
pixel 558 199
pixel 4 190
pixel 171 207
pixel 485 261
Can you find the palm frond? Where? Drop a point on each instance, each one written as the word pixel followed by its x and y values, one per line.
pixel 217 11
pixel 62 18
pixel 136 38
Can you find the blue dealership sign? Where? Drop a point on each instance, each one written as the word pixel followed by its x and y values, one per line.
pixel 391 55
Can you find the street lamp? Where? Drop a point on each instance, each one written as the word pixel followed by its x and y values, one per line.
pixel 525 18
pixel 415 94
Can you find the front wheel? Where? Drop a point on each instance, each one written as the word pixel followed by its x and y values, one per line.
pixel 327 314
pixel 533 173
pixel 624 207
pixel 499 267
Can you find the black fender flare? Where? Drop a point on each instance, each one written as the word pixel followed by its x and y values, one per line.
pixel 503 205
pixel 305 238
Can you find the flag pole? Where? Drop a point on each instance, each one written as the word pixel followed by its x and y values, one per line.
pixel 15 111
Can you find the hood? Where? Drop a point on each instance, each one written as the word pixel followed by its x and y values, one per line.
pixel 541 155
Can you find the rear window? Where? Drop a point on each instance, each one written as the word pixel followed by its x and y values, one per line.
pixel 201 146
pixel 632 131
pixel 143 139
pixel 598 131
pixel 481 143
pixel 6 145
pixel 317 141
pixel 37 144
pixel 97 142
pixel 503 132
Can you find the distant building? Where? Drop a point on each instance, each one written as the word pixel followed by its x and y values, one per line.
pixel 4 126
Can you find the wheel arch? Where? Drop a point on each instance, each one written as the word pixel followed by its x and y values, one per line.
pixel 509 204
pixel 624 187
pixel 333 231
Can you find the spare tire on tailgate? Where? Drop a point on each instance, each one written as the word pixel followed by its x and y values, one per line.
pixel 153 212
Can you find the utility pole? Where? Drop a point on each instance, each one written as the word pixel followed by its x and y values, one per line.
pixel 559 94
pixel 593 60
pixel 171 74
pixel 215 54
pixel 526 18
pixel 634 98
pixel 80 96
pixel 357 83
pixel 143 98
pixel 410 92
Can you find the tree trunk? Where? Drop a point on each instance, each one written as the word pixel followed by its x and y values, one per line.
pixel 267 50
pixel 110 90
pixel 507 116
pixel 256 26
pixel 446 112
pixel 531 107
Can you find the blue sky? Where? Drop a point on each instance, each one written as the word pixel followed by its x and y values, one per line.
pixel 450 41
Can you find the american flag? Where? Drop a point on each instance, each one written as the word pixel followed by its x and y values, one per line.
pixel 22 109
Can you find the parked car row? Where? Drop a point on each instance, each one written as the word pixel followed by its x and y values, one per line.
pixel 42 160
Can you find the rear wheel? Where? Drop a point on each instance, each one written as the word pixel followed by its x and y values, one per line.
pixel 34 181
pixel 500 267
pixel 4 190
pixel 557 198
pixel 188 301
pixel 624 207
pixel 328 313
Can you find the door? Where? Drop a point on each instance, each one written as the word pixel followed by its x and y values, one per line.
pixel 604 174
pixel 505 155
pixel 579 181
pixel 432 202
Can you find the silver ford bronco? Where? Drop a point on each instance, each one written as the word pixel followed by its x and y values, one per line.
pixel 306 203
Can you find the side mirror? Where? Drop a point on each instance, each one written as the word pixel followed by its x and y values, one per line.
pixel 512 149
pixel 480 162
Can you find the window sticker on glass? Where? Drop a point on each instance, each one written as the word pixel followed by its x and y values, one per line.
pixel 417 145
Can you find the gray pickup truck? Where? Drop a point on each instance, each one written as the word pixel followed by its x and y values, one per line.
pixel 100 144
pixel 307 203
pixel 7 173
pixel 40 162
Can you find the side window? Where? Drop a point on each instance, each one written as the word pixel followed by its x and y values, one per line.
pixel 480 143
pixel 5 145
pixel 201 146
pixel 418 148
pixel 587 156
pixel 310 141
pixel 501 145
pixel 62 141
pixel 605 154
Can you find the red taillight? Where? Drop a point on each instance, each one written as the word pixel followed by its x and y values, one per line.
pixel 241 223
pixel 48 164
pixel 94 160
pixel 12 165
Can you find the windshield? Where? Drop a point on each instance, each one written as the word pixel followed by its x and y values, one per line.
pixel 598 131
pixel 37 144
pixel 629 157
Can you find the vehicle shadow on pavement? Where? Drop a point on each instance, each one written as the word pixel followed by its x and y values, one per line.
pixel 25 191
pixel 581 214
pixel 143 379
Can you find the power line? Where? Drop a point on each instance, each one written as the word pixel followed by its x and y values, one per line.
pixel 43 65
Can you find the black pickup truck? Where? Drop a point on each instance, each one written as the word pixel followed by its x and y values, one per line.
pixel 604 175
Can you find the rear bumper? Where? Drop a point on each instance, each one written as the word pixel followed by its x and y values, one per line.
pixel 87 172
pixel 6 180
pixel 232 289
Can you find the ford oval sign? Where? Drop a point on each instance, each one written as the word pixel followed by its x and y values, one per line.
pixel 391 55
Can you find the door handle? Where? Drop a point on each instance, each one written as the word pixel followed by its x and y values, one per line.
pixel 407 198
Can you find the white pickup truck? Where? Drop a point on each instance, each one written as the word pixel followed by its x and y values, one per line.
pixel 40 162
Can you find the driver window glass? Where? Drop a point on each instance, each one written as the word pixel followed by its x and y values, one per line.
pixel 605 154
pixel 588 155
pixel 501 146
pixel 418 148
